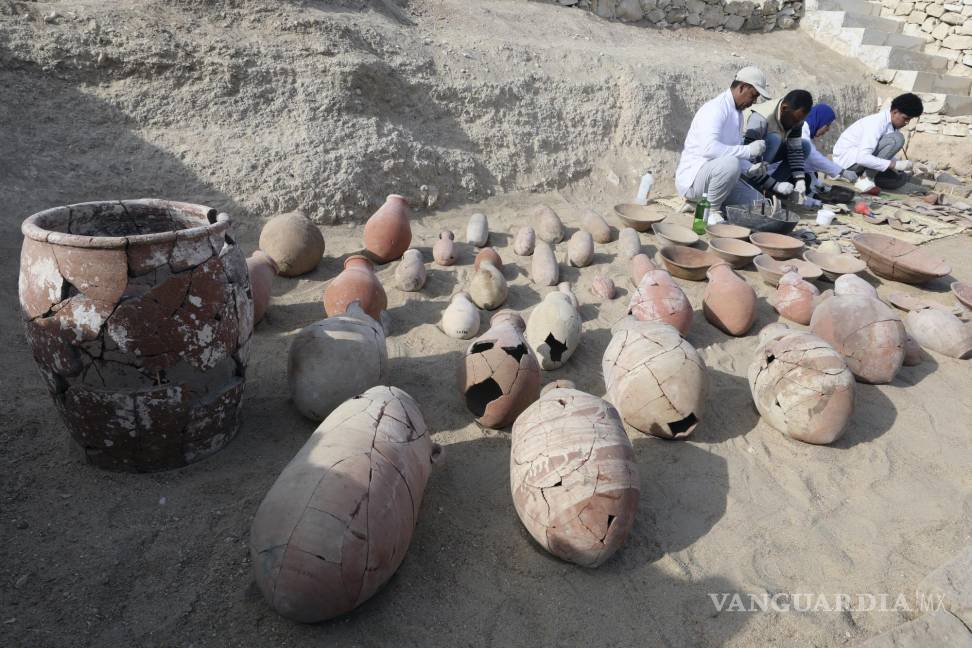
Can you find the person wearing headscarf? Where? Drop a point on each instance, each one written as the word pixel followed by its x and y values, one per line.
pixel 817 124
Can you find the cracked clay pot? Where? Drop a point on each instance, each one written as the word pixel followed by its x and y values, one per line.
pixel 656 379
pixel 659 299
pixel 138 314
pixel 357 282
pixel 801 386
pixel 864 330
pixel 387 234
pixel 554 329
pixel 573 476
pixel 294 242
pixel 336 524
pixel 940 331
pixel 729 302
pixel 262 270
pixel 334 359
pixel 795 297
pixel 499 375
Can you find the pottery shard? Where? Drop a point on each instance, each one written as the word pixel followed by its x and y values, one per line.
pixel 41 285
pixel 864 330
pixel 336 524
pixel 525 241
pixel 544 269
pixel 548 225
pixel 553 330
pixel 499 375
pixel 573 476
pixel 598 228
pixel 940 331
pixel 796 298
pixel 603 287
pixel 99 274
pixel 656 379
pixel 802 386
pixel 335 359
pixel 659 299
pixel 580 249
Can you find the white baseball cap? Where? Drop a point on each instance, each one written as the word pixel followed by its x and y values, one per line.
pixel 754 77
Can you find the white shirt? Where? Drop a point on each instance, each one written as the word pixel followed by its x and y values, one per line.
pixel 817 161
pixel 856 144
pixel 716 132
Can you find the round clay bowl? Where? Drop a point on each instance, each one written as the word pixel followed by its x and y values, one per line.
pixel 671 234
pixel 687 263
pixel 728 230
pixel 895 259
pixel 834 265
pixel 778 246
pixel 639 217
pixel 963 292
pixel 736 253
pixel 771 270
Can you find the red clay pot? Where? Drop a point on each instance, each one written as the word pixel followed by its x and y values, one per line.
pixel 729 302
pixel 387 234
pixel 262 270
pixel 359 283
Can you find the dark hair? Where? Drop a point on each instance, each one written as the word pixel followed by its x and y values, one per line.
pixel 909 104
pixel 735 84
pixel 799 100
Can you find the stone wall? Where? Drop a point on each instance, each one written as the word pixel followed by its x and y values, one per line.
pixel 947 24
pixel 728 15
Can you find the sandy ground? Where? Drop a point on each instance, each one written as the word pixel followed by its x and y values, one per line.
pixel 91 558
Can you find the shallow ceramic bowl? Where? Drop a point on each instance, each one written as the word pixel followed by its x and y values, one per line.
pixel 834 265
pixel 963 292
pixel 728 230
pixel 671 234
pixel 898 260
pixel 778 246
pixel 640 217
pixel 771 270
pixel 687 263
pixel 736 253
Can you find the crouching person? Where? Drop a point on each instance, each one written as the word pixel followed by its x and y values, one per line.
pixel 780 125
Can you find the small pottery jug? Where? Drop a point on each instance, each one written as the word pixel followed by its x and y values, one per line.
pixel 580 249
pixel 544 270
pixel 603 287
pixel 596 226
pixel 659 299
pixel 460 319
pixel 795 297
pixel 488 254
pixel 410 273
pixel 444 250
pixel 549 227
pixel 729 302
pixel 357 282
pixel 629 244
pixel 262 271
pixel 488 287
pixel 387 234
pixel 477 231
pixel 525 241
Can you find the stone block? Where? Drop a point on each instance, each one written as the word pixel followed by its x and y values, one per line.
pixel 935 10
pixel 952 18
pixel 941 32
pixel 952 6
pixel 630 10
pixel 929 25
pixel 656 15
pixel 713 17
pixel 958 42
pixel 735 23
pixel 694 19
pixel 917 17
pixel 904 9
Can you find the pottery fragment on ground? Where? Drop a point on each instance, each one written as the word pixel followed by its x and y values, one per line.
pixel 337 522
pixel 335 359
pixel 294 242
pixel 553 330
pixel 640 264
pixel 356 283
pixel 388 233
pixel 573 476
pixel 499 376
pixel 655 378
pixel 913 354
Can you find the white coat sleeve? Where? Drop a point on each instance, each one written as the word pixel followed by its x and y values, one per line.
pixel 710 130
pixel 818 160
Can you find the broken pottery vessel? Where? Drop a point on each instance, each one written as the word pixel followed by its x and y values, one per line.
pixel 524 241
pixel 629 243
pixel 892 258
pixel 460 319
pixel 603 287
pixel 336 524
pixel 853 285
pixel 640 264
pixel 553 330
pixel 864 330
pixel 940 331
pixel 656 379
pixel 262 270
pixel 596 226
pixel 659 299
pixel 139 316
pixel 477 231
pixel 580 249
pixel 410 274
pixel 795 297
pixel 729 302
pixel 488 288
pixel 444 250
pixel 544 270
pixel 294 242
pixel 357 282
pixel 387 234
pixel 335 359
pixel 548 225
pixel 488 254
pixel 499 375
pixel 801 385
pixel 573 476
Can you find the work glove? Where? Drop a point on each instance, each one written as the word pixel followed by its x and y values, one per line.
pixel 848 175
pixel 783 188
pixel 756 149
pixel 800 187
pixel 756 170
pixel 902 165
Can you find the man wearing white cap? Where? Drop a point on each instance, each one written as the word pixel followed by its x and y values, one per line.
pixel 714 156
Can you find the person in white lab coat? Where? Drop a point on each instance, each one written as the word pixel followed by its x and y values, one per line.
pixel 817 124
pixel 869 145
pixel 714 158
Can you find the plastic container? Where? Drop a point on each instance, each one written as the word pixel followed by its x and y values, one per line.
pixel 644 189
pixel 825 217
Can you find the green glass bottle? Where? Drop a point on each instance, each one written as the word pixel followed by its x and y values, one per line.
pixel 701 215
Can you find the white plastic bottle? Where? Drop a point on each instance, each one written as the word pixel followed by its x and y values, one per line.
pixel 644 189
